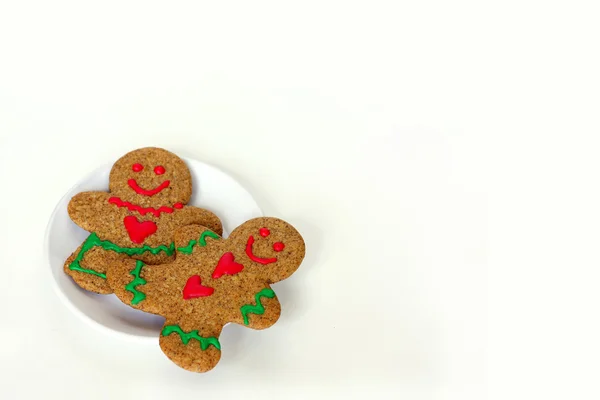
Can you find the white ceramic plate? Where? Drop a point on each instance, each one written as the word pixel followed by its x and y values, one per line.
pixel 214 190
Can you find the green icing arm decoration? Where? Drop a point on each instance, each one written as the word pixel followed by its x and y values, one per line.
pixel 201 242
pixel 210 234
pixel 93 240
pixel 132 286
pixel 187 336
pixel 258 308
pixel 187 249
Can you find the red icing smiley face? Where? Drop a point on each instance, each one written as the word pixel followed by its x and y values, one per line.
pixel 158 170
pixel 264 232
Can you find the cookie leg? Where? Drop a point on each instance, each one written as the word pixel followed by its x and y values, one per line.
pixel 87 266
pixel 262 312
pixel 196 349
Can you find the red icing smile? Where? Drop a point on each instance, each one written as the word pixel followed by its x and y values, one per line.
pixel 255 258
pixel 133 184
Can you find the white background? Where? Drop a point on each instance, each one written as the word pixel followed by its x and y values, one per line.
pixel 440 158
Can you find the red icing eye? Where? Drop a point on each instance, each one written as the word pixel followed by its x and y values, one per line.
pixel 278 246
pixel 159 170
pixel 264 232
pixel 137 167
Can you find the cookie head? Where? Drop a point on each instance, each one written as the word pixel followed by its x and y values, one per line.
pixel 151 177
pixel 271 246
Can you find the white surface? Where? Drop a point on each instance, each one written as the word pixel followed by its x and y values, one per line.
pixel 380 129
pixel 214 190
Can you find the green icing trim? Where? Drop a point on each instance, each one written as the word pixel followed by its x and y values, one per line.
pixel 201 242
pixel 132 286
pixel 210 234
pixel 187 249
pixel 187 336
pixel 258 308
pixel 93 240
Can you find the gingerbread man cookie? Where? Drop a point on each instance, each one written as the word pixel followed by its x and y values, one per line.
pixel 148 192
pixel 212 281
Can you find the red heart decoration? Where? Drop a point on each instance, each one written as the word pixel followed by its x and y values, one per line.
pixel 138 231
pixel 193 288
pixel 227 266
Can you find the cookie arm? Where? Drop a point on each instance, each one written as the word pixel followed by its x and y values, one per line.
pixel 262 309
pixel 199 216
pixel 90 210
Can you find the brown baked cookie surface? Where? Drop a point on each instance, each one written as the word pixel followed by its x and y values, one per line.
pixel 148 192
pixel 212 281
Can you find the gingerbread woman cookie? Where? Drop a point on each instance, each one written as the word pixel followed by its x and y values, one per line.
pixel 148 192
pixel 212 281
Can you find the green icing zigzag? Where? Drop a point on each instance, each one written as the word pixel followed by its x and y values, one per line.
pixel 187 336
pixel 93 240
pixel 201 242
pixel 258 308
pixel 132 286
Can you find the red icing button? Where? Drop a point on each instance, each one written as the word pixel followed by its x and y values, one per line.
pixel 264 232
pixel 278 246
pixel 193 288
pixel 159 170
pixel 178 206
pixel 137 167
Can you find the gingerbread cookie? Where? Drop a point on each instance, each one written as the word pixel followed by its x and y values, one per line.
pixel 212 281
pixel 148 192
